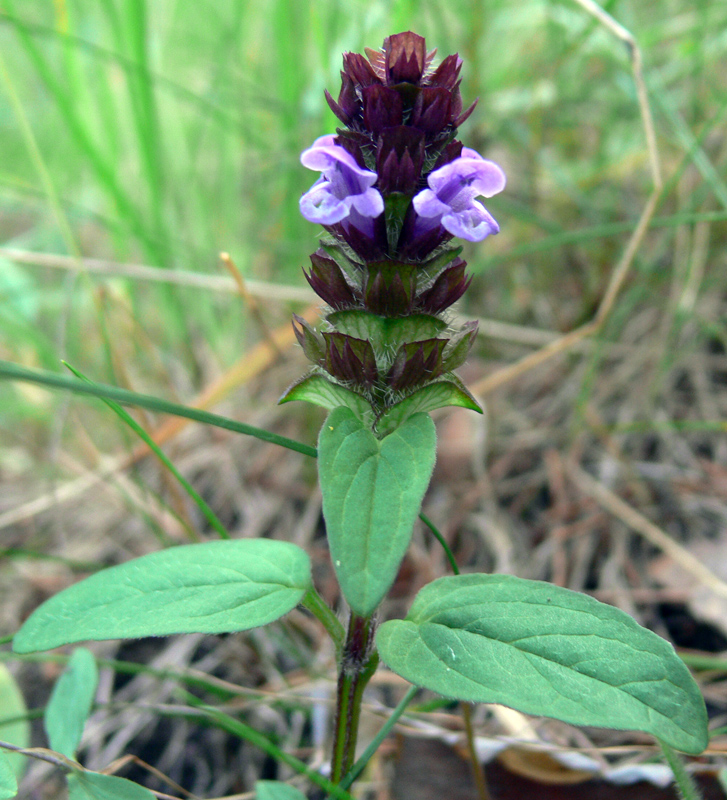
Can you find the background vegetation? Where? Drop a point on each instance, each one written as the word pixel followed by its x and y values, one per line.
pixel 162 133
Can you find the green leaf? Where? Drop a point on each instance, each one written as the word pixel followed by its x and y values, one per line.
pixel 548 651
pixel 309 339
pixel 321 391
pixel 372 490
pixel 12 707
pixel 215 587
pixel 449 392
pixel 277 790
pixel 70 703
pixel 8 781
pixel 95 786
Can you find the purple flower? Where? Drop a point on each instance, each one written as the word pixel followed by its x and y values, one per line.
pixel 344 191
pixel 450 199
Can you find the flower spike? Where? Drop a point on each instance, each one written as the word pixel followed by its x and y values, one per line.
pixel 396 186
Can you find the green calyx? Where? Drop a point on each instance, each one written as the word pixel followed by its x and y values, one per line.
pixel 385 350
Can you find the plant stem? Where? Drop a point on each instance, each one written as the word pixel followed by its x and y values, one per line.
pixel 358 664
pixel 360 765
pixel 478 773
pixel 685 782
pixel 323 612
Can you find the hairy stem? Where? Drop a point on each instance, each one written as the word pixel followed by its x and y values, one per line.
pixel 358 664
pixel 686 784
pixel 360 765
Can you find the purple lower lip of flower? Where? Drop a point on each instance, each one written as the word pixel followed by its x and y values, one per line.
pixel 450 199
pixel 343 187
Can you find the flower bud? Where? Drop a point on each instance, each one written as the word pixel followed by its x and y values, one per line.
pixel 350 359
pixel 389 287
pixel 447 288
pixel 404 57
pixel 327 280
pixel 416 362
pixel 399 160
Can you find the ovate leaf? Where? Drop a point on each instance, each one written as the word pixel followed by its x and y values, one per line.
pixel 372 491
pixel 12 707
pixel 448 392
pixel 548 651
pixel 215 587
pixel 8 781
pixel 277 790
pixel 95 786
pixel 323 392
pixel 70 703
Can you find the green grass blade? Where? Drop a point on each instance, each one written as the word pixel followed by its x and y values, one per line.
pixel 361 763
pixel 11 371
pixel 208 513
pixel 141 89
pixel 438 536
pixel 105 173
pixel 38 160
pixel 238 728
pixel 691 146
pixel 208 110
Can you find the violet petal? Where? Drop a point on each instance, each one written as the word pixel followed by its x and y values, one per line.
pixel 343 185
pixel 450 198
pixel 473 224
pixel 320 205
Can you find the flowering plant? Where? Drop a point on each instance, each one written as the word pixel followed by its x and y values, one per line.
pixel 396 187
